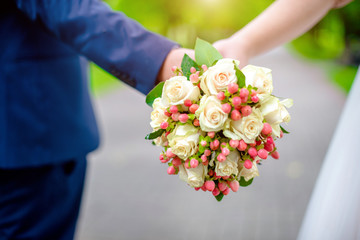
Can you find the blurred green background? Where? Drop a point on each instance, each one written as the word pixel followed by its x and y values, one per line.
pixel 334 42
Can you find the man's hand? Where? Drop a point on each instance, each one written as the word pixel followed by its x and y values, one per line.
pixel 174 58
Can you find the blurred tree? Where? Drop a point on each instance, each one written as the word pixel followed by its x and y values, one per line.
pixel 336 37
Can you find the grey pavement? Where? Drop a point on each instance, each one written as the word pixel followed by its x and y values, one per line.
pixel 129 195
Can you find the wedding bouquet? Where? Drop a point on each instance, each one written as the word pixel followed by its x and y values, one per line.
pixel 215 121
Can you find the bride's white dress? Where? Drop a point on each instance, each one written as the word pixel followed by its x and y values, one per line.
pixel 334 208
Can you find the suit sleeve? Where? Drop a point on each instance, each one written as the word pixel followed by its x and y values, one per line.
pixel 113 41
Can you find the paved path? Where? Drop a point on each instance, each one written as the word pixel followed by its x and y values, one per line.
pixel 130 196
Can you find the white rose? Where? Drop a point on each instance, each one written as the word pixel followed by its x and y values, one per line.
pixel 218 77
pixel 274 112
pixel 210 114
pixel 177 89
pixel 183 140
pixel 195 177
pixel 158 114
pixel 161 141
pixel 247 128
pixel 229 166
pixel 248 173
pixel 259 77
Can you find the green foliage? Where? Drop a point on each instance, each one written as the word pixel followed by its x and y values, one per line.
pixel 205 53
pixel 155 134
pixel 186 65
pixel 245 183
pixel 219 197
pixel 284 131
pixel 240 76
pixel 156 92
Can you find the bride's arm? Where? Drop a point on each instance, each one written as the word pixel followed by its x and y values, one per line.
pixel 283 21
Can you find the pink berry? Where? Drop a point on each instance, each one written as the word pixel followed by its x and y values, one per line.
pixel 222 186
pixel 216 192
pixel 203 158
pixel 267 129
pixel 234 143
pixel 270 140
pixel 225 151
pixel 196 122
pixel 173 68
pixel 164 125
pixel 244 93
pixel 244 100
pixel 211 134
pixel 173 109
pixel 236 101
pixel 207 152
pixel 275 155
pixel 175 116
pixel 248 164
pixel 221 157
pixel 221 96
pixel 269 147
pixel 233 88
pixel 226 108
pixel 193 108
pixel 183 117
pixel 204 67
pixel 242 145
pixel 203 143
pixel 246 110
pixel 253 92
pixel 235 115
pixel 252 144
pixel 222 145
pixel 203 188
pixel 226 191
pixel 194 78
pixel 187 102
pixel 216 143
pixel 171 170
pixel 255 99
pixel 176 161
pixel 161 157
pixel 234 185
pixel 167 113
pixel 252 152
pixel 210 185
pixel 194 163
pixel 193 70
pixel 169 153
pixel 262 153
pixel 281 134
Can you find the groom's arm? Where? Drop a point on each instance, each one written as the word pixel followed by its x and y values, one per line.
pixel 116 43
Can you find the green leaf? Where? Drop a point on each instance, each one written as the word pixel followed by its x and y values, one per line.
pixel 244 183
pixel 155 134
pixel 284 131
pixel 219 197
pixel 240 76
pixel 205 53
pixel 186 64
pixel 154 93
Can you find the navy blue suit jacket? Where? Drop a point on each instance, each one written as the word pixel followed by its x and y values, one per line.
pixel 45 109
